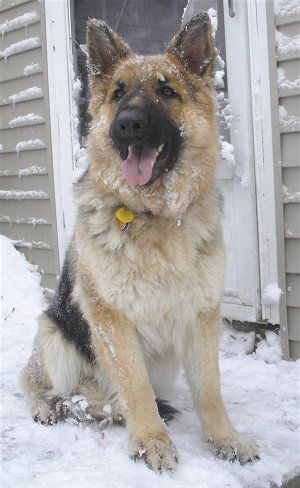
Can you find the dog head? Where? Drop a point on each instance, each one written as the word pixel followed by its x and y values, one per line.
pixel 152 139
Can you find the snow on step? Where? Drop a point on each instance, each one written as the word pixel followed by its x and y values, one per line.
pixel 31 69
pixel 23 195
pixel 18 22
pixel 31 144
pixel 29 119
pixel 1 148
pixel 31 170
pixel 30 244
pixel 20 47
pixel 28 94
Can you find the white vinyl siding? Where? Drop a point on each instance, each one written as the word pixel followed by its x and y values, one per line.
pixel 289 98
pixel 27 213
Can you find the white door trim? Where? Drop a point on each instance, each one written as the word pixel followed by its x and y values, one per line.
pixel 245 306
pixel 58 38
pixel 266 141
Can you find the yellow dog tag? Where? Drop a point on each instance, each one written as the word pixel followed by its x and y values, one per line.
pixel 124 215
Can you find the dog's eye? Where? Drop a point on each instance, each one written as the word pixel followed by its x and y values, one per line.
pixel 118 93
pixel 168 91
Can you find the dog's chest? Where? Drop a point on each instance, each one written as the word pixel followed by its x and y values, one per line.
pixel 159 278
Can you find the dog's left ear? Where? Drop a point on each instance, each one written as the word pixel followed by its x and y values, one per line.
pixel 194 45
pixel 104 47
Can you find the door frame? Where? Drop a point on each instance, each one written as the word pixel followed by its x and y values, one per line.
pixel 268 173
pixel 59 64
pixel 265 201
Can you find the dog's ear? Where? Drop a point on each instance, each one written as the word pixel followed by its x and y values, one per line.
pixel 194 45
pixel 104 47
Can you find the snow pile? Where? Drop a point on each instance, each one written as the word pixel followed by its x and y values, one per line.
pixel 21 293
pixel 19 47
pixel 286 44
pixel 235 342
pixel 29 119
pixel 284 83
pixel 286 7
pixel 260 392
pixel 18 22
pixel 31 69
pixel 21 96
pixel 30 144
pixel 269 349
pixel 286 121
pixel 271 294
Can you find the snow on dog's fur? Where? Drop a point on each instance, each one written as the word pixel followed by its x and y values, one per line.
pixel 131 307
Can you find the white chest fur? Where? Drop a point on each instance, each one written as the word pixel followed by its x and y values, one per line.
pixel 159 274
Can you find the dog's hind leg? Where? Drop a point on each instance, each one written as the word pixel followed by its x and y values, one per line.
pixel 202 370
pixel 53 371
pixel 60 383
pixel 35 383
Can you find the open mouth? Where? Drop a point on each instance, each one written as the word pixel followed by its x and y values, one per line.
pixel 142 163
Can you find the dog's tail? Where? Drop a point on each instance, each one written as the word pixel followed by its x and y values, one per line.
pixel 166 410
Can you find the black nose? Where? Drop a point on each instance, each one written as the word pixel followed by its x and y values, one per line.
pixel 131 124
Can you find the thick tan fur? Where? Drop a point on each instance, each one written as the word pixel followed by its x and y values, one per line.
pixel 151 296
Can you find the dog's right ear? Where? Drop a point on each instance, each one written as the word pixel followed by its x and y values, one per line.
pixel 104 47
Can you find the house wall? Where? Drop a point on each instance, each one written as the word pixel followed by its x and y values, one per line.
pixel 288 59
pixel 27 213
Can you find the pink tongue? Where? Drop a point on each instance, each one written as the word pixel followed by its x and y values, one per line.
pixel 137 168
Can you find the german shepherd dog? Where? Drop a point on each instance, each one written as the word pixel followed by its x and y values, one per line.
pixel 142 282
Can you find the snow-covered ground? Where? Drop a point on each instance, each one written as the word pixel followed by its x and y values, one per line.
pixel 260 390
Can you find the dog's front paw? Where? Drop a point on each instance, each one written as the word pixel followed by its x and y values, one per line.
pixel 241 449
pixel 159 455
